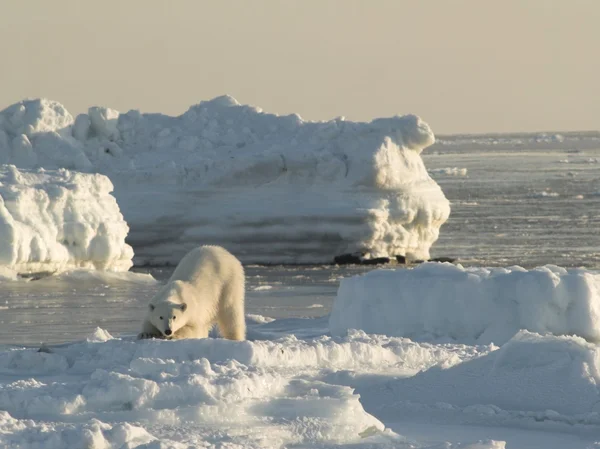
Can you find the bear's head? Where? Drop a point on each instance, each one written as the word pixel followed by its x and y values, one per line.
pixel 168 308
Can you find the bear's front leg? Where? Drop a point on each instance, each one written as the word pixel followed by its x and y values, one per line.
pixel 189 331
pixel 149 331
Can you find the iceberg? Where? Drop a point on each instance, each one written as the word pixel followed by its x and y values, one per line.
pixel 269 188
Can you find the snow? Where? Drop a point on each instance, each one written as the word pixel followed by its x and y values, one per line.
pixel 57 220
pixel 99 335
pixel 272 189
pixel 108 392
pixel 287 392
pixel 484 305
pixel 450 171
pixel 293 384
pixel 539 377
pixel 545 194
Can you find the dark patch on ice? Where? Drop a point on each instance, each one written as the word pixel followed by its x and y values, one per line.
pixel 437 259
pixel 346 259
pixel 36 276
pixel 358 259
pixel 128 406
pixel 443 259
pixel 376 261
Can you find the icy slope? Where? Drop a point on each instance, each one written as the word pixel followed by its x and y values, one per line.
pixel 472 304
pixel 269 188
pixel 51 221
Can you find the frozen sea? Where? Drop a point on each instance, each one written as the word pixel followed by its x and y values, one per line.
pixel 520 207
pixel 509 207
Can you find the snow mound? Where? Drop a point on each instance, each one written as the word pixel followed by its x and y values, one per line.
pixel 485 305
pixel 99 335
pixel 251 393
pixel 52 221
pixel 543 377
pixel 229 174
pixel 26 433
pixel 287 392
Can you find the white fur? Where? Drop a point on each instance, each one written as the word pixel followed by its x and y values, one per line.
pixel 207 287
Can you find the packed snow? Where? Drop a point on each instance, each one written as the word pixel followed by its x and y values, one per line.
pixel 274 189
pixel 483 305
pixel 111 392
pixel 57 220
pixel 286 391
pixel 541 377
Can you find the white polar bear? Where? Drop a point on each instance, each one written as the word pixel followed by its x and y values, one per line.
pixel 207 287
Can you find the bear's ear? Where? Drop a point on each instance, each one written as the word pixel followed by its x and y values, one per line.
pixel 183 307
pixel 151 307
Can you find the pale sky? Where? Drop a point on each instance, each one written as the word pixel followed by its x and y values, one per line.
pixel 462 65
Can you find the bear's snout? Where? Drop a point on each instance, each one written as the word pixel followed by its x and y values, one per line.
pixel 168 332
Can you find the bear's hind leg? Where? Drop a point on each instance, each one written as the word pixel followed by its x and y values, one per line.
pixel 232 324
pixel 230 313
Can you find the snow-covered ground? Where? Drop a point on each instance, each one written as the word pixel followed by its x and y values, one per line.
pixel 272 189
pixel 107 392
pixel 291 384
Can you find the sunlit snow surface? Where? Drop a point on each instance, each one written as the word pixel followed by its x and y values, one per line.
pixel 289 385
pixel 57 220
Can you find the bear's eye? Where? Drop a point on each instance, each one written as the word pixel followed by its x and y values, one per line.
pixel 174 317
pixel 160 317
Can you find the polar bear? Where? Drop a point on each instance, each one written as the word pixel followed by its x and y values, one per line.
pixel 207 287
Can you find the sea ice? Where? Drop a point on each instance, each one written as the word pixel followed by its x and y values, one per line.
pixel 57 220
pixel 485 305
pixel 269 188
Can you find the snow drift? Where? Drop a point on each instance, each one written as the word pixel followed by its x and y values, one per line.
pixel 269 188
pixel 54 220
pixel 117 391
pixel 542 377
pixel 473 304
pixel 286 392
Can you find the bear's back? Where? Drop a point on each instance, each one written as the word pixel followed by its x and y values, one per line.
pixel 207 264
